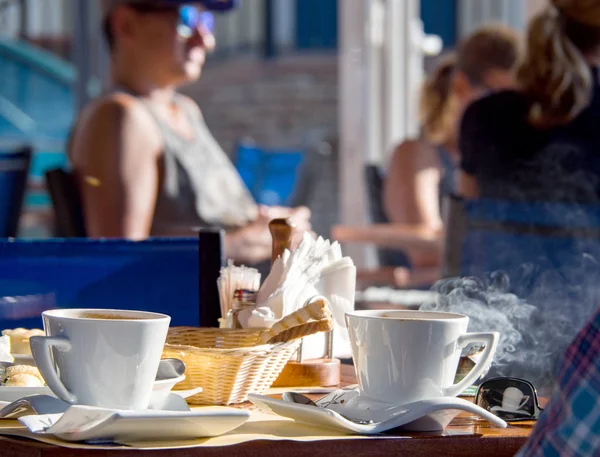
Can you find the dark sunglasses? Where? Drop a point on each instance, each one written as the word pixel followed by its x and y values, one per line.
pixel 511 399
pixel 190 17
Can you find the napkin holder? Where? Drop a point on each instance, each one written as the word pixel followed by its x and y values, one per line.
pixel 323 372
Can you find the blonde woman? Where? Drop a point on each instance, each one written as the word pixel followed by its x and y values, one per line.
pixel 423 170
pixel 542 141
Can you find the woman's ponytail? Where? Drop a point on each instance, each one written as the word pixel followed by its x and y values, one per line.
pixel 555 74
pixel 436 103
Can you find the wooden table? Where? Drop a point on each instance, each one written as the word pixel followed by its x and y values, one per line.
pixel 465 436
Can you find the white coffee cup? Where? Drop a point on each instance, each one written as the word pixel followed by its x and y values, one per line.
pixel 406 356
pixel 104 358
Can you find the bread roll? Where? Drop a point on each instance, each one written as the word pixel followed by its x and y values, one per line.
pixel 24 380
pixel 23 369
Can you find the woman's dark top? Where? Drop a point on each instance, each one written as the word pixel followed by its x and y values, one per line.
pixel 510 159
pixel 449 179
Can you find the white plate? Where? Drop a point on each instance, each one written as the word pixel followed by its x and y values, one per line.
pixel 161 388
pixel 23 359
pixel 371 417
pixel 81 423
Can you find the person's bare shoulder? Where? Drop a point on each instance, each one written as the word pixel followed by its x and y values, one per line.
pixel 414 154
pixel 114 120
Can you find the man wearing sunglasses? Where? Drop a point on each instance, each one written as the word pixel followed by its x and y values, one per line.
pixel 142 155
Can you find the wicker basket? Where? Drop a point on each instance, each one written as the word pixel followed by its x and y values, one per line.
pixel 230 364
pixel 227 364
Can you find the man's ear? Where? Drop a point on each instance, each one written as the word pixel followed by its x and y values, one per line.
pixel 123 22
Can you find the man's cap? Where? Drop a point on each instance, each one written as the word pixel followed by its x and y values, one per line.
pixel 211 5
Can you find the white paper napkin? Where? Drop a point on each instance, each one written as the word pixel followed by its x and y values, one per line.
pixel 316 267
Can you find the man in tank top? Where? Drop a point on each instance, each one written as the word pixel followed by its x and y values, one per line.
pixel 142 155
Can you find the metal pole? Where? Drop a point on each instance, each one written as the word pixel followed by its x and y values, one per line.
pixel 374 62
pixel 353 124
pixel 81 51
pixel 270 51
pixel 24 10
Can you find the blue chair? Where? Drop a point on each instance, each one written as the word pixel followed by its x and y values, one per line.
pixel 548 250
pixel 172 276
pixel 270 175
pixel 14 168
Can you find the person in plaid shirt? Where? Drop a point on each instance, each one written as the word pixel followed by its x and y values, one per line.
pixel 570 426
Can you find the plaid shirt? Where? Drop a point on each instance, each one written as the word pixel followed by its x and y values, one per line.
pixel 570 426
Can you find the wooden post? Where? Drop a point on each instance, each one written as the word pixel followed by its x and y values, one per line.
pixel 282 231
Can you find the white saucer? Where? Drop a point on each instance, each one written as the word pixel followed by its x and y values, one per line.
pixel 84 423
pixel 23 359
pixel 161 388
pixel 348 411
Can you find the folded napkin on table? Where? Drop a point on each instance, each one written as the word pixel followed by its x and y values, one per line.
pixel 315 268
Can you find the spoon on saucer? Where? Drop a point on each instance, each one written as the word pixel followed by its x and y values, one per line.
pixel 295 397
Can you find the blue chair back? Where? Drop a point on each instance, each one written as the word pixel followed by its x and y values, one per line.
pixel 270 175
pixel 160 275
pixel 549 246
pixel 14 167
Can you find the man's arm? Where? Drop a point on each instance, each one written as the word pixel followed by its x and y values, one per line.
pixel 115 155
pixel 570 425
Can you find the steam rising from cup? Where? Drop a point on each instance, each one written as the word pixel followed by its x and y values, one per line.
pixel 535 326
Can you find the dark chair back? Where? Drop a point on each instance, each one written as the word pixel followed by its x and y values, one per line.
pixel 14 169
pixel 172 276
pixel 550 242
pixel 68 212
pixel 374 183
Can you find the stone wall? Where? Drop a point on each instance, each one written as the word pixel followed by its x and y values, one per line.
pixel 283 103
pixel 287 103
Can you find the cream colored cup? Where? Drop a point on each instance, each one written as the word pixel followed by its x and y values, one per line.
pixel 104 358
pixel 406 356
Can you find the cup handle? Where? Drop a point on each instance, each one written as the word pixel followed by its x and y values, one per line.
pixel 491 341
pixel 40 349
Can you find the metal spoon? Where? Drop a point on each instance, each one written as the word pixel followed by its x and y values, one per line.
pixel 295 397
pixel 169 369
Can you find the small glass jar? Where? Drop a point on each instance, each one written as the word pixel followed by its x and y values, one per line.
pixel 242 299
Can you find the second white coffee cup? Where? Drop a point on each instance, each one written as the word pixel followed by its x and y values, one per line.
pixel 406 356
pixel 104 358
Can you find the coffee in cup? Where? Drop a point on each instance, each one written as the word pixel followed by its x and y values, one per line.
pixel 104 358
pixel 406 356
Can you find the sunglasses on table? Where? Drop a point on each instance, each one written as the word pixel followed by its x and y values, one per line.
pixel 511 399
pixel 190 17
